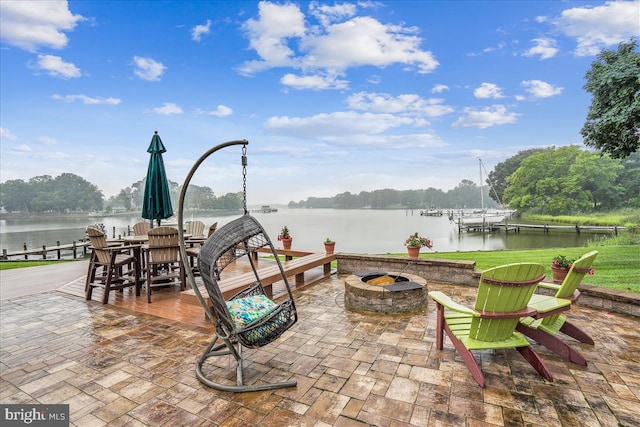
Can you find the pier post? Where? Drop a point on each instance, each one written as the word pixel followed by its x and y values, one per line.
pixel 24 246
pixel 44 252
pixel 4 254
pixel 58 250
pixel 75 250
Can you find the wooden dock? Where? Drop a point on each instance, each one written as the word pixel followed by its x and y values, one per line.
pixel 75 249
pixel 546 228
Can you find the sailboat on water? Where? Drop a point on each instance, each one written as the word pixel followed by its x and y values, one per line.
pixel 482 219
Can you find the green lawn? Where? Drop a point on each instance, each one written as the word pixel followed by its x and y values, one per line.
pixel 617 267
pixel 8 265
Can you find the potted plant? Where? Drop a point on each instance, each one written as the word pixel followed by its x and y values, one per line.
pixel 560 266
pixel 285 237
pixel 329 246
pixel 414 242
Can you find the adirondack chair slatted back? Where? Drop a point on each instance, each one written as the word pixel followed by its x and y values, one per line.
pixel 99 244
pixel 241 237
pixel 164 245
pixel 576 273
pixel 504 289
pixel 569 285
pixel 141 228
pixel 195 228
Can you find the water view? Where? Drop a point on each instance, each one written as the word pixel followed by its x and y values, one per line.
pixel 358 231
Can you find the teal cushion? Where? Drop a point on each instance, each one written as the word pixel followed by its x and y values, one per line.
pixel 246 310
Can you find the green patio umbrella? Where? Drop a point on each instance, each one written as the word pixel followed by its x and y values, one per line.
pixel 157 200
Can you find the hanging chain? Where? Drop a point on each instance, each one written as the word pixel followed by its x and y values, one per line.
pixel 244 178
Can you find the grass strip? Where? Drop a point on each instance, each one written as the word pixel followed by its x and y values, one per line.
pixel 617 267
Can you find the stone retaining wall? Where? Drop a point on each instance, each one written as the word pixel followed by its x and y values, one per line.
pixel 465 273
pixel 437 270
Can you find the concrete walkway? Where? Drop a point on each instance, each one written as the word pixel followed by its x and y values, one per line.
pixel 19 282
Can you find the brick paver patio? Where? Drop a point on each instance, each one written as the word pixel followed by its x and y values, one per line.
pixel 123 368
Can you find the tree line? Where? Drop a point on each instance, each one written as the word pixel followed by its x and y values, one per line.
pixel 554 181
pixel 69 193
pixel 464 195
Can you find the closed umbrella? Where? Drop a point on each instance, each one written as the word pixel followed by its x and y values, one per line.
pixel 157 200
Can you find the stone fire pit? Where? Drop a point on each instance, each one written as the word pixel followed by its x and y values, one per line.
pixel 399 293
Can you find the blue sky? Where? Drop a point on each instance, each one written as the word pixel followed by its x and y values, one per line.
pixel 332 96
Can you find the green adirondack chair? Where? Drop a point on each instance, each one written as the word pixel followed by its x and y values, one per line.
pixel 544 327
pixel 503 294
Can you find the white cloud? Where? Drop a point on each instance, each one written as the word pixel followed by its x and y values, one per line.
pixel 366 41
pixel 488 90
pixel 485 117
pixel 87 99
pixel 327 14
pixel 32 24
pixel 6 134
pixel 315 82
pixel 147 68
pixel 167 109
pixel 439 88
pixel 23 149
pixel 47 140
pixel 338 125
pixel 407 104
pixel 595 28
pixel 269 33
pixel 199 30
pixel 540 89
pixel 56 67
pixel 220 111
pixel 280 39
pixel 544 47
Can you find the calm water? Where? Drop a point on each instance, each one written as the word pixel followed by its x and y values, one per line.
pixel 359 231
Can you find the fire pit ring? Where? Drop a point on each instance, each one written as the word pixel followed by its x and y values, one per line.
pixel 398 293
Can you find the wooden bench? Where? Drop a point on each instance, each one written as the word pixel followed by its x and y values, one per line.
pixel 269 275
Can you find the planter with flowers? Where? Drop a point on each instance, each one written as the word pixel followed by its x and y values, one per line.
pixel 560 266
pixel 414 242
pixel 329 246
pixel 285 237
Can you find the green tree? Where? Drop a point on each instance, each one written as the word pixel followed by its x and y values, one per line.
pixel 198 197
pixel 564 180
pixel 629 180
pixel 613 120
pixel 597 177
pixel 499 175
pixel 16 196
pixel 74 193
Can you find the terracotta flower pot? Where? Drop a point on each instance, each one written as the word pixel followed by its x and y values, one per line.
pixel 286 243
pixel 414 251
pixel 329 247
pixel 559 273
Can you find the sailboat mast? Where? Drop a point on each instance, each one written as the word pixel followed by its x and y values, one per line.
pixel 481 192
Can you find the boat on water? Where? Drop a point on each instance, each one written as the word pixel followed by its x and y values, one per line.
pixel 268 209
pixel 481 219
pixel 432 212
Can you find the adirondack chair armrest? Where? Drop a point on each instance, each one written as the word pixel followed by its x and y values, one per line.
pixel 552 286
pixel 447 302
pixel 115 250
pixel 525 312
